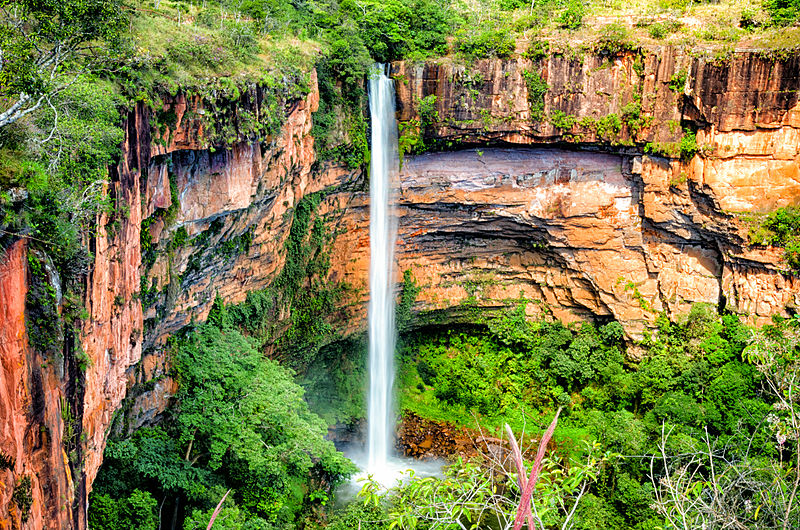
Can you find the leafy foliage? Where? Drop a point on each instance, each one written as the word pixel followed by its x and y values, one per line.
pixel 694 378
pixel 486 43
pixel 780 228
pixel 240 422
pixel 46 44
pixel 138 510
pixel 572 17
pixel 537 89
pixel 783 12
pixel 614 40
pixel 397 29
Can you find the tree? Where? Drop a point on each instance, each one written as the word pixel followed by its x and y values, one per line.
pixel 705 484
pixel 46 44
pixel 239 423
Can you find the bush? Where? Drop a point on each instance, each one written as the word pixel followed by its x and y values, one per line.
pixel 399 29
pixel 239 422
pixel 537 50
pixel 510 5
pixel 572 17
pixel 138 510
pixel 688 145
pixel 783 12
pixel 614 39
pixel 783 224
pixel 537 89
pixel 780 228
pixel 487 43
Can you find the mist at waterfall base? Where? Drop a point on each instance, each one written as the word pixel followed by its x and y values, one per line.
pixel 378 459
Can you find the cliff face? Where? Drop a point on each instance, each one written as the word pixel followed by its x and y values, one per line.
pixel 625 234
pixel 550 197
pixel 33 462
pixel 141 287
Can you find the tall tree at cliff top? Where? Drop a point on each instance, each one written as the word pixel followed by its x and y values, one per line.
pixel 46 44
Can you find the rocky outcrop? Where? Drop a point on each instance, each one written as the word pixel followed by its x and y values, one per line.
pixel 231 214
pixel 167 179
pixel 643 235
pixel 36 477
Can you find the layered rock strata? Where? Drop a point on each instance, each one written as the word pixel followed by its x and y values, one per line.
pixel 691 244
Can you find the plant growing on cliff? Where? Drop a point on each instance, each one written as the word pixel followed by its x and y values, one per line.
pixel 411 138
pixel 537 89
pixel 408 295
pixel 614 39
pixel 780 228
pixel 22 496
pixel 677 82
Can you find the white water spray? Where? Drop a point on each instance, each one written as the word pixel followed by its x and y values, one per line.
pixel 382 234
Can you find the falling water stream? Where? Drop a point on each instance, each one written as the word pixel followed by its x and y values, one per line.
pixel 382 235
pixel 380 462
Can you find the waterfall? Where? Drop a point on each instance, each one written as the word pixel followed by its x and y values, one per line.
pixel 384 165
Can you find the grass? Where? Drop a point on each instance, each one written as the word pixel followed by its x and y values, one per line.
pixel 182 45
pixel 705 25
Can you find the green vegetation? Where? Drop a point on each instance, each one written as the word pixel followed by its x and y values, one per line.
pixel 678 81
pixel 780 228
pixel 23 497
pixel 537 89
pixel 239 422
pixel 783 12
pixel 572 17
pixel 491 43
pixel 697 383
pixel 72 70
pixel 685 148
pixel 614 40
pixel 46 45
pixel 412 132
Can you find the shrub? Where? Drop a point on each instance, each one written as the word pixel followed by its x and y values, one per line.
pixel 537 89
pixel 780 228
pixel 572 17
pixel 23 497
pixel 614 39
pixel 688 145
pixel 660 30
pixel 783 12
pixel 632 116
pixel 510 5
pixel 678 81
pixel 398 29
pixel 428 115
pixel 561 120
pixel 138 510
pixel 487 43
pixel 537 50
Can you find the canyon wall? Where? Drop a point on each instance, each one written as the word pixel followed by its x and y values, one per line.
pixel 642 235
pixel 553 201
